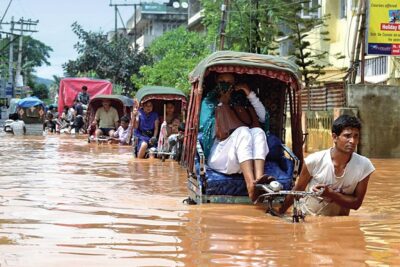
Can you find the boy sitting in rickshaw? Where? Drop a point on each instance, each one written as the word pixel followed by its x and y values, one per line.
pixel 123 133
pixel 146 125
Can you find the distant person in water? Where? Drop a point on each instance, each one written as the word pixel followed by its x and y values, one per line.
pixel 18 126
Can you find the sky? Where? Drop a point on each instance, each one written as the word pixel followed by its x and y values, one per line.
pixel 55 20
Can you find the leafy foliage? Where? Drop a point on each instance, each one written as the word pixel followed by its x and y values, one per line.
pixel 251 26
pixel 34 54
pixel 174 54
pixel 39 90
pixel 257 26
pixel 100 58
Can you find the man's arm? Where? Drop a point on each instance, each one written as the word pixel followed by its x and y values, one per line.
pixel 300 185
pixel 96 117
pixel 347 201
pixel 156 128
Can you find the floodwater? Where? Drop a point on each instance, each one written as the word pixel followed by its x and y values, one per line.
pixel 64 202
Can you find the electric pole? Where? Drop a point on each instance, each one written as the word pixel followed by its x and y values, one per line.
pixel 116 21
pixel 11 54
pixel 224 8
pixel 24 26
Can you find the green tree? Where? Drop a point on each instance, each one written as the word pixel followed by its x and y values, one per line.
pixel 251 26
pixel 302 31
pixel 257 25
pixel 39 90
pixel 34 54
pixel 115 60
pixel 174 54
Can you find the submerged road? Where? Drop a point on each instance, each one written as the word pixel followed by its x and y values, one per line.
pixel 64 202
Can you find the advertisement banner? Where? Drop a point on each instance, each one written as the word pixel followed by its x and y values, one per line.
pixel 384 27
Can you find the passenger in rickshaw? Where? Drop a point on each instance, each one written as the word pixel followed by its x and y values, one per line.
pixel 65 119
pixel 83 97
pixel 170 116
pixel 146 125
pixel 172 124
pixel 49 124
pixel 123 133
pixel 244 150
pixel 106 119
pixel 78 121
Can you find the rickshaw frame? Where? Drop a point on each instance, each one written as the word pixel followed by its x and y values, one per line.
pixel 159 96
pixel 121 103
pixel 279 72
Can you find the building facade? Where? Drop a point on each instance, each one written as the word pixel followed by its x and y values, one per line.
pixel 151 20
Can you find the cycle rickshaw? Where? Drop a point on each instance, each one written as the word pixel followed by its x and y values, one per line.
pixel 122 104
pixel 277 83
pixel 160 96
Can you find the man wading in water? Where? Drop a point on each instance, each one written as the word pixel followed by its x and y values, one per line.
pixel 341 173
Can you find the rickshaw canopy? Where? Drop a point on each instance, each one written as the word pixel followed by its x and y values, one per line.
pixel 122 103
pixel 124 100
pixel 277 80
pixel 152 92
pixel 241 62
pixel 29 102
pixel 71 87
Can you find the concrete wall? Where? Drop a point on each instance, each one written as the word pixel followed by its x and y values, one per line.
pixel 379 111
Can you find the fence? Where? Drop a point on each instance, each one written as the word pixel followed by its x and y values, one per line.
pixel 324 97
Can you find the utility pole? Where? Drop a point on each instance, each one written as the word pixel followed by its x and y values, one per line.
pixel 11 55
pixel 224 8
pixel 24 26
pixel 360 43
pixel 116 14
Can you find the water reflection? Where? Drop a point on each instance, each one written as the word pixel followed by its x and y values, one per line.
pixel 64 201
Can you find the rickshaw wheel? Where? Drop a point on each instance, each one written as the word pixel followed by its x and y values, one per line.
pixel 189 201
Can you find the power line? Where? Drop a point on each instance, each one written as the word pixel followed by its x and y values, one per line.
pixel 5 12
pixel 122 21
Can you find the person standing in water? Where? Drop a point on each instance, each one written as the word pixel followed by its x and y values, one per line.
pixel 339 172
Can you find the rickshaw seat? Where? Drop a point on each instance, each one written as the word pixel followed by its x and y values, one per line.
pixel 276 165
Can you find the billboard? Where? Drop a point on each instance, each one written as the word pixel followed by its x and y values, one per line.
pixel 384 28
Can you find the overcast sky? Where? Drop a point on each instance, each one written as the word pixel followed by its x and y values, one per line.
pixel 55 20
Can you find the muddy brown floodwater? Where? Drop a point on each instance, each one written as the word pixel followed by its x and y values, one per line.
pixel 64 202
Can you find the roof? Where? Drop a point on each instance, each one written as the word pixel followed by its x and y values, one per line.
pixel 124 99
pixel 155 91
pixel 30 102
pixel 233 58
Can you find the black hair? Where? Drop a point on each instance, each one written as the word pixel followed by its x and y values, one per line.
pixel 84 87
pixel 13 116
pixel 170 102
pixel 345 121
pixel 125 119
pixel 181 127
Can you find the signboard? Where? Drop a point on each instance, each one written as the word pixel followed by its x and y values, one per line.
pixel 9 90
pixel 135 2
pixel 384 27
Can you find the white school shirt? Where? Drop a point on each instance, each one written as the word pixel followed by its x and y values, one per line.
pixel 18 127
pixel 322 171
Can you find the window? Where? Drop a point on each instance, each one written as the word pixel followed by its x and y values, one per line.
pixel 286 47
pixel 343 9
pixel 375 66
pixel 311 9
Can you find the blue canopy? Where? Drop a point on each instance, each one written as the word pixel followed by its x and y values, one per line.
pixel 30 102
